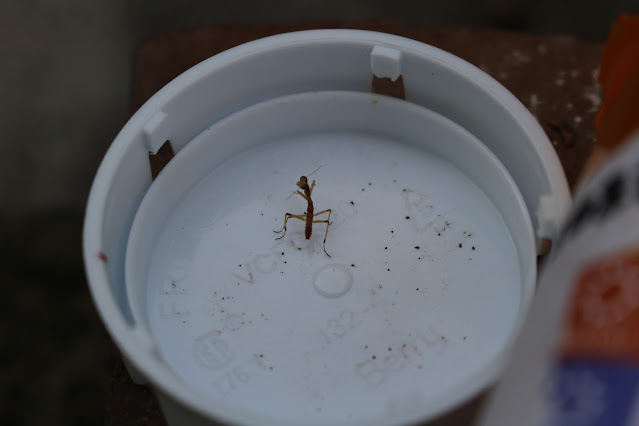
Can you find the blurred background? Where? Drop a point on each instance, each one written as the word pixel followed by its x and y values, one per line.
pixel 64 94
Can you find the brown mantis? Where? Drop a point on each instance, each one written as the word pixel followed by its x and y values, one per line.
pixel 309 215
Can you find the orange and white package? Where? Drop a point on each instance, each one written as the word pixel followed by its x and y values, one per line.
pixel 576 359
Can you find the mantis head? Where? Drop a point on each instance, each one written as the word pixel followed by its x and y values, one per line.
pixel 303 182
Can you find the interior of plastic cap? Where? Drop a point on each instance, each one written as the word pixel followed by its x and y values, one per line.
pixel 286 65
pixel 429 237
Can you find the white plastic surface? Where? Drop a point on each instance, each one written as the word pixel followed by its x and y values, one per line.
pixel 423 271
pixel 157 131
pixel 302 64
pixel 386 62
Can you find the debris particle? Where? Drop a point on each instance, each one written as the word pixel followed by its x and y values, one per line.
pixel 407 217
pixel 353 203
pixel 533 101
pixel 560 132
pixel 594 98
pixel 519 57
pixel 417 247
pixel 374 357
pixel 460 245
pixel 473 247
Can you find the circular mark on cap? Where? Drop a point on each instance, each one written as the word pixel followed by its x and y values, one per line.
pixel 332 280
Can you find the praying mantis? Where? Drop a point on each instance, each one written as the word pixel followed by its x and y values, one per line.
pixel 309 216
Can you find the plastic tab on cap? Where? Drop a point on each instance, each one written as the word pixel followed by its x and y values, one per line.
pixel 547 225
pixel 386 62
pixel 156 131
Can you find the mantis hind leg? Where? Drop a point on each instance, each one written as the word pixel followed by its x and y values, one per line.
pixel 327 222
pixel 287 216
